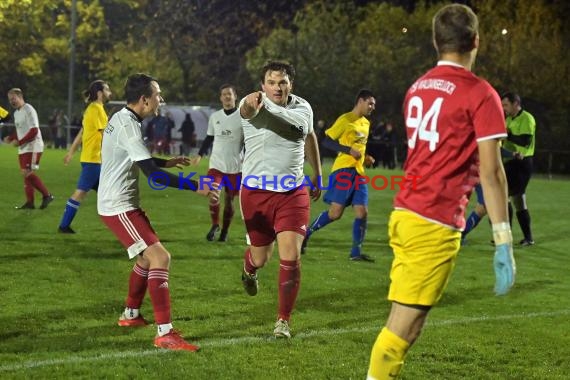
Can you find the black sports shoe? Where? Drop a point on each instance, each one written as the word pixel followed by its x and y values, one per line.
pixel 249 282
pixel 46 201
pixel 362 257
pixel 65 230
pixel 223 235
pixel 26 206
pixel 526 243
pixel 212 233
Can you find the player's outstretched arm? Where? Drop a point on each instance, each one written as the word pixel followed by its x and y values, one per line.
pixel 300 115
pixel 494 184
pixel 152 170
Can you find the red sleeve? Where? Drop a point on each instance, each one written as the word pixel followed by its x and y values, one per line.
pixel 32 133
pixel 489 119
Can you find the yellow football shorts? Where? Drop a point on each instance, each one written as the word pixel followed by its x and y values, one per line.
pixel 424 257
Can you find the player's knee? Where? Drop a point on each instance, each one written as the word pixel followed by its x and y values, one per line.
pixel 335 214
pixel 157 256
pixel 361 213
pixel 480 210
pixel 79 195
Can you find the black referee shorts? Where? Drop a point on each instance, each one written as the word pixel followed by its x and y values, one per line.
pixel 518 174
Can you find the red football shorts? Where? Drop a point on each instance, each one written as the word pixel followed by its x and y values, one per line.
pixel 266 213
pixel 30 160
pixel 133 230
pixel 230 183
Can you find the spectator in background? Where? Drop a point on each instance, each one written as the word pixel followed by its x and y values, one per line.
pixel 57 124
pixel 374 145
pixel 389 140
pixel 160 133
pixel 170 125
pixel 52 128
pixel 187 129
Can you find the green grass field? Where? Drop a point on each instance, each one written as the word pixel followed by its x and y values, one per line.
pixel 61 295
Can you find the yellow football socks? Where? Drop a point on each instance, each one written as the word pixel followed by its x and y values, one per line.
pixel 387 356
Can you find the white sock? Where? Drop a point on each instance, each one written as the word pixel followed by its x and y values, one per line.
pixel 131 313
pixel 164 329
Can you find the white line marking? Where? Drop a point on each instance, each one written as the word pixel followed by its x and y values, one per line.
pixel 251 339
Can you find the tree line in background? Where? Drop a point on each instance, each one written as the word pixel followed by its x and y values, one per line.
pixel 338 47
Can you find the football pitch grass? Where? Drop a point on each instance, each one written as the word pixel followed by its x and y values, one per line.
pixel 61 295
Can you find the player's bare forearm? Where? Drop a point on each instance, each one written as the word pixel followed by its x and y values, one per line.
pixel 76 142
pixel 493 180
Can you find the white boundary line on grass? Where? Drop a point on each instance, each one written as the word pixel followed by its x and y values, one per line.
pixel 245 340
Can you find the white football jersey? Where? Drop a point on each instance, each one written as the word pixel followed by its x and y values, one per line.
pixel 275 145
pixel 228 141
pixel 122 146
pixel 25 119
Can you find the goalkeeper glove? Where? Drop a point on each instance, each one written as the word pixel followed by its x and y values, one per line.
pixel 504 261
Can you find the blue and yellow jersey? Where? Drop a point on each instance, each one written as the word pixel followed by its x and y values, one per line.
pixel 94 122
pixel 350 130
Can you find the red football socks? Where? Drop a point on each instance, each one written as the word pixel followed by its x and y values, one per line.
pixel 38 184
pixel 137 287
pixel 289 283
pixel 248 264
pixel 159 295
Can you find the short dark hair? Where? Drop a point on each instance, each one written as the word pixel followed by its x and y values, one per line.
pixel 283 67
pixel 17 91
pixel 364 94
pixel 455 28
pixel 228 85
pixel 138 85
pixel 90 94
pixel 511 97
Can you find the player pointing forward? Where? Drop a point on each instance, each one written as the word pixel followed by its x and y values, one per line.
pixel 454 123
pixel 278 131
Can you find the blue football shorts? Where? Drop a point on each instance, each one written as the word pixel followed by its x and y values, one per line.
pixel 347 187
pixel 89 177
